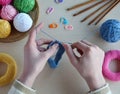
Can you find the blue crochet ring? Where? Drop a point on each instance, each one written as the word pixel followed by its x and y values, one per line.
pixel 53 62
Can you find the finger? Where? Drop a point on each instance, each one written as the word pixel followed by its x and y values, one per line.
pixel 41 49
pixel 70 54
pixel 80 45
pixel 32 36
pixel 87 43
pixel 43 41
pixel 50 52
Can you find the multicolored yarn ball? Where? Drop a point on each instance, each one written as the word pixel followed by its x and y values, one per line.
pixel 5 28
pixel 24 5
pixel 8 12
pixel 5 2
pixel 110 30
pixel 22 22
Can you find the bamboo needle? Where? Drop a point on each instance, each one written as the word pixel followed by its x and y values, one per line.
pixel 109 7
pixel 80 5
pixel 106 13
pixel 96 11
pixel 89 8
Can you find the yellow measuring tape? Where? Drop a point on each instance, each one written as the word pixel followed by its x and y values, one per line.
pixel 10 74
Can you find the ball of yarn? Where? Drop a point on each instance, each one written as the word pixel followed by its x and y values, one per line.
pixel 110 30
pixel 24 5
pixel 22 22
pixel 8 12
pixel 5 28
pixel 5 2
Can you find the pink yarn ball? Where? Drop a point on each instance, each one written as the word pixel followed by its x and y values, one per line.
pixel 8 12
pixel 5 2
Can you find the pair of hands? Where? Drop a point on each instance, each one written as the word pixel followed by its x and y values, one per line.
pixel 89 64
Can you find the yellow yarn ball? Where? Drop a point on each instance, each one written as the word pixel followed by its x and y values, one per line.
pixel 5 28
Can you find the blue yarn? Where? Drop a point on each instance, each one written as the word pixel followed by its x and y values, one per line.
pixel 53 62
pixel 110 30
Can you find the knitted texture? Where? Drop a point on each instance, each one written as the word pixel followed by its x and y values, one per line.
pixel 5 28
pixel 5 2
pixel 53 62
pixel 8 12
pixel 24 5
pixel 22 22
pixel 110 30
pixel 109 56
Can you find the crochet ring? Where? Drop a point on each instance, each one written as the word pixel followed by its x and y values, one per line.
pixel 54 61
pixel 11 69
pixel 109 56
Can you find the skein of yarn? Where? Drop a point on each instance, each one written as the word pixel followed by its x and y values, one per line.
pixel 5 2
pixel 24 5
pixel 8 12
pixel 5 28
pixel 22 22
pixel 110 30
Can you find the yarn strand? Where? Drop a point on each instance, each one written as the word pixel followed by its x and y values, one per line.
pixel 44 32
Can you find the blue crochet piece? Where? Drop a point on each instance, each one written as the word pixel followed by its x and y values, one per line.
pixel 110 30
pixel 53 62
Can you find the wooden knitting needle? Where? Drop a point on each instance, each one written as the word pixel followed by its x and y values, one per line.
pixel 106 13
pixel 96 11
pixel 89 8
pixel 102 12
pixel 80 5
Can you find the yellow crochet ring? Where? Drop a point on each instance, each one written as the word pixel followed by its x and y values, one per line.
pixel 10 74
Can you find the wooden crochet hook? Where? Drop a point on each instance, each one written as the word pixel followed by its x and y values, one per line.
pixel 88 8
pixel 80 5
pixel 96 11
pixel 106 13
pixel 109 7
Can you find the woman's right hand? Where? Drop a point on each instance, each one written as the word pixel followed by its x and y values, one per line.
pixel 89 64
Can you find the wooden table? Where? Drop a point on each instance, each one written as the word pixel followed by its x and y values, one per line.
pixel 65 79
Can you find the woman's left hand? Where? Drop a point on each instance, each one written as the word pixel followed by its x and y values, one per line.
pixel 35 56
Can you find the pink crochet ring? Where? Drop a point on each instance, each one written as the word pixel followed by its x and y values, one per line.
pixel 109 56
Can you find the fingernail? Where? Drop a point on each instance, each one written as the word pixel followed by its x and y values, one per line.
pixel 56 45
pixel 41 24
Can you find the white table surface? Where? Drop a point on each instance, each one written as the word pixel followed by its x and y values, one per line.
pixel 64 79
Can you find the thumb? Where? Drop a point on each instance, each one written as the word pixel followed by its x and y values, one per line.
pixel 51 51
pixel 71 55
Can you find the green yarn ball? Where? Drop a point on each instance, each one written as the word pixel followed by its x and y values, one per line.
pixel 24 5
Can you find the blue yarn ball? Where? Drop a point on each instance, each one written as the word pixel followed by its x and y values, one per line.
pixel 110 30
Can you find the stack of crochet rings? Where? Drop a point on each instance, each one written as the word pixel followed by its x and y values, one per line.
pixel 11 71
